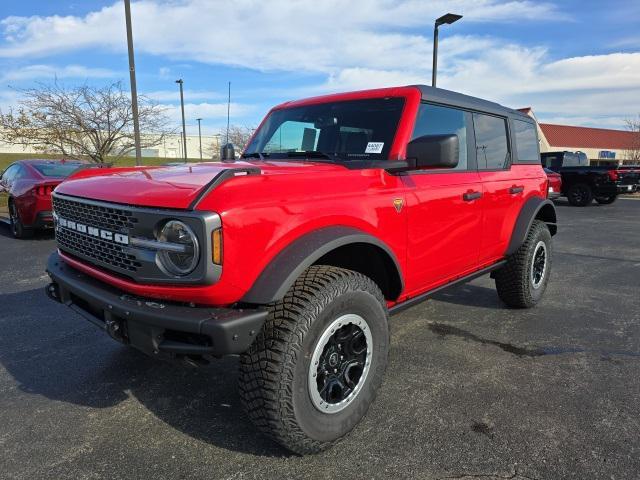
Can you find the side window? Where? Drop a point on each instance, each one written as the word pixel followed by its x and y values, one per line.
pixel 491 141
pixel 436 120
pixel 526 141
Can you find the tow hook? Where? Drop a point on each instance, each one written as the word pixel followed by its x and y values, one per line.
pixel 116 330
pixel 53 292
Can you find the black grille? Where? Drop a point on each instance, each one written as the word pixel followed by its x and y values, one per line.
pixel 96 248
pixel 109 218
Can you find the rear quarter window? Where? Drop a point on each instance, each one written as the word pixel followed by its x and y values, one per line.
pixel 526 141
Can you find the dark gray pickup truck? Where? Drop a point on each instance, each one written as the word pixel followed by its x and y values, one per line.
pixel 581 183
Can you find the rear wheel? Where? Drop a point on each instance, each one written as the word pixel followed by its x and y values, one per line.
pixel 606 200
pixel 580 195
pixel 315 367
pixel 523 280
pixel 17 228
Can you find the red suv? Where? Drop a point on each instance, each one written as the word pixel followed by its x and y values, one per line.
pixel 25 193
pixel 343 210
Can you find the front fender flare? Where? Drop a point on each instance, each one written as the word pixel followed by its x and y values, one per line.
pixel 280 274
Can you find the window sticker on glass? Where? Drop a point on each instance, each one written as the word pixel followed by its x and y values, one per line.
pixel 374 147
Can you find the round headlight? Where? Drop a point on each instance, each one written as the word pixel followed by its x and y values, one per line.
pixel 181 255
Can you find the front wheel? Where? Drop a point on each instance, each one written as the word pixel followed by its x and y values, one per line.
pixel 523 280
pixel 315 367
pixel 606 200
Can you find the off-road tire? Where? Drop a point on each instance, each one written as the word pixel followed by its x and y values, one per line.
pixel 273 380
pixel 17 228
pixel 580 195
pixel 514 282
pixel 606 200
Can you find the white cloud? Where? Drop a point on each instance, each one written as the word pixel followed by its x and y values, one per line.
pixel 207 111
pixel 31 72
pixel 369 43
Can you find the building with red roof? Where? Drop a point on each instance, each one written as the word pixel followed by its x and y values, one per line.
pixel 603 146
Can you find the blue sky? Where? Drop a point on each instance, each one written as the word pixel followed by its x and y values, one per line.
pixel 573 62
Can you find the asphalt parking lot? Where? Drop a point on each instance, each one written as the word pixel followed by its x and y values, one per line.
pixel 473 390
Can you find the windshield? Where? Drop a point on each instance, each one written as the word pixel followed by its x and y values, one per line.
pixel 343 131
pixel 56 169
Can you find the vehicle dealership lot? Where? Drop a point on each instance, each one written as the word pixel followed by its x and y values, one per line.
pixel 473 389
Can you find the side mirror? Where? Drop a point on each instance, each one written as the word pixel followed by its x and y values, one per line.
pixel 227 153
pixel 438 151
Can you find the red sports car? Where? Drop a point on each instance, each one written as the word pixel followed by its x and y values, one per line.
pixel 555 183
pixel 25 193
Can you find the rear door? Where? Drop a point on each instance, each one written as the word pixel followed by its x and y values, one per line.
pixel 506 186
pixel 444 217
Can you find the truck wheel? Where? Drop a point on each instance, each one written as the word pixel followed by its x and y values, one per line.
pixel 606 200
pixel 580 195
pixel 317 363
pixel 17 228
pixel 523 280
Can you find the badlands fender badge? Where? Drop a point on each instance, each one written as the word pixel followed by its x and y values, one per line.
pixel 398 203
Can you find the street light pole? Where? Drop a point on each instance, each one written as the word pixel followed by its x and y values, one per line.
pixel 184 127
pixel 132 79
pixel 200 136
pixel 448 19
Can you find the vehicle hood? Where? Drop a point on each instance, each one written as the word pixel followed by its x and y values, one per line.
pixel 171 186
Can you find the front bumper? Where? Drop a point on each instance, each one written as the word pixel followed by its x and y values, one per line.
pixel 152 326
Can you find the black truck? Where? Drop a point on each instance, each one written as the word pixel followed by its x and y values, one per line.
pixel 582 183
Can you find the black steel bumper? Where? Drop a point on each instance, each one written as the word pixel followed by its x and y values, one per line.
pixel 153 326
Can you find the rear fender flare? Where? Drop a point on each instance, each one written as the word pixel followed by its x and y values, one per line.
pixel 534 208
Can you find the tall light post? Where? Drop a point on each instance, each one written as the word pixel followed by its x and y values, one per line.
pixel 200 136
pixel 448 19
pixel 184 127
pixel 132 79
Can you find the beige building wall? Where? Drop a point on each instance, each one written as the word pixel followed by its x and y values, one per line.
pixel 170 147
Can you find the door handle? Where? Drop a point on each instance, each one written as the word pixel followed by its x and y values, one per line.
pixel 470 196
pixel 516 189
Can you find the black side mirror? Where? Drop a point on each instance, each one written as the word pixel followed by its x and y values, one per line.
pixel 439 151
pixel 227 153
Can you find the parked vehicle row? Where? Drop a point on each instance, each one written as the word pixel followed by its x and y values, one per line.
pixel 582 184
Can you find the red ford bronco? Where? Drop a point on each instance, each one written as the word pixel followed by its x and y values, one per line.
pixel 342 210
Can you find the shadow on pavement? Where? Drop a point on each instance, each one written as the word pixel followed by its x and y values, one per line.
pixel 5 231
pixel 471 296
pixel 56 354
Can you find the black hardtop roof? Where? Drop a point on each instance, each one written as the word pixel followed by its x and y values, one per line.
pixel 448 97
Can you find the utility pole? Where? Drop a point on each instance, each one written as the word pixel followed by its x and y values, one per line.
pixel 132 79
pixel 200 136
pixel 184 127
pixel 448 19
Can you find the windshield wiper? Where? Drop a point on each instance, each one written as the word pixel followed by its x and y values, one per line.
pixel 314 154
pixel 254 155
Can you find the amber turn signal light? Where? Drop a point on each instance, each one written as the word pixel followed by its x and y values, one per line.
pixel 216 246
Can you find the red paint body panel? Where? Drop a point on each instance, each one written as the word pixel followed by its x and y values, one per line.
pixel 436 236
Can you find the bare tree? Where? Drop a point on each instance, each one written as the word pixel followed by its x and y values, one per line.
pixel 81 122
pixel 632 154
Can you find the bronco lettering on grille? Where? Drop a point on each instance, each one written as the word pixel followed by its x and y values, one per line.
pixel 92 231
